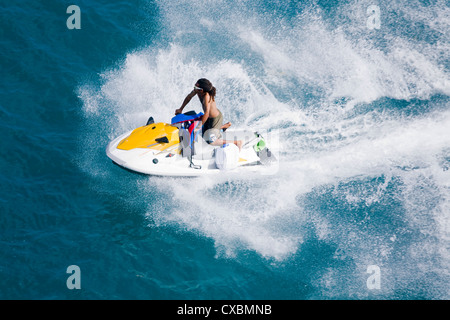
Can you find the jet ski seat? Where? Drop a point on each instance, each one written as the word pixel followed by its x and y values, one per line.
pixel 203 150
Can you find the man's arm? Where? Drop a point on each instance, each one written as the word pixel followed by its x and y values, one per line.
pixel 185 102
pixel 206 108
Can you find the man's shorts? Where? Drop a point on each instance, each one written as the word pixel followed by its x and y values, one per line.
pixel 211 128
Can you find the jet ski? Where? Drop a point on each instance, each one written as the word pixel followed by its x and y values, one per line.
pixel 179 150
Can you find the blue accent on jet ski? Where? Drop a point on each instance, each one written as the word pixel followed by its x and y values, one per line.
pixel 184 117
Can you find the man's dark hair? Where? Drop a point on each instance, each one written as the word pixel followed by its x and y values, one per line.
pixel 207 86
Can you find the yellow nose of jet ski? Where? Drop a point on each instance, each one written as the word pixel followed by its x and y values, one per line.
pixel 150 137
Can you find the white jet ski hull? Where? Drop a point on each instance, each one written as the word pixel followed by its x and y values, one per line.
pixel 171 163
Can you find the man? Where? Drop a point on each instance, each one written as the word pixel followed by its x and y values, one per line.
pixel 212 119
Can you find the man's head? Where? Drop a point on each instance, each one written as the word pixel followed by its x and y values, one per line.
pixel 204 85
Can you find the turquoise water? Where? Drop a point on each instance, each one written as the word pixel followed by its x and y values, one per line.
pixel 363 121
